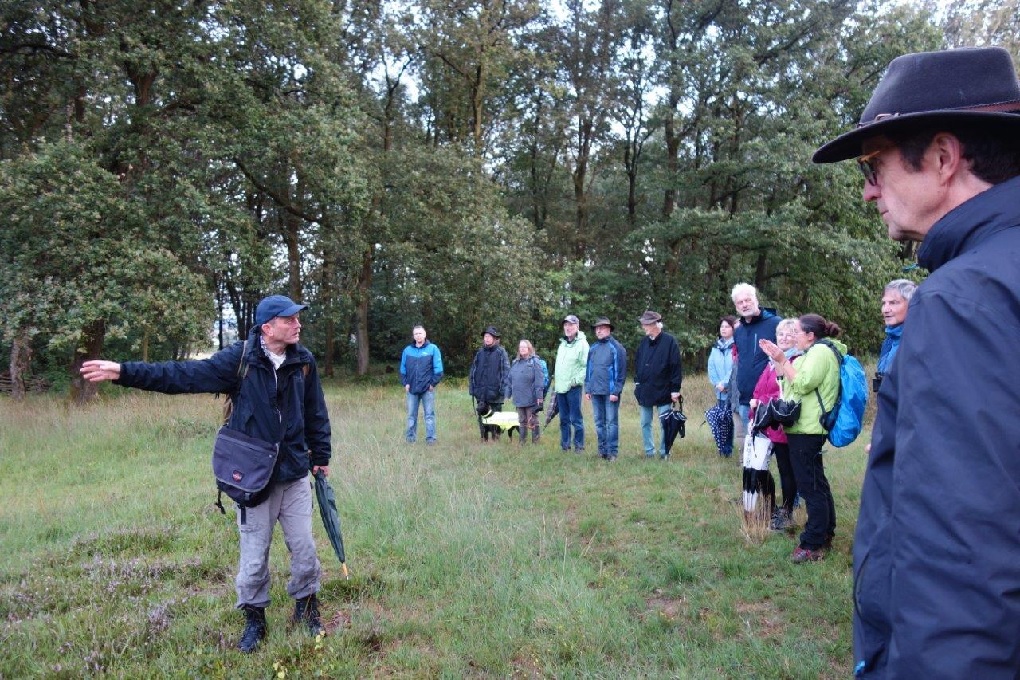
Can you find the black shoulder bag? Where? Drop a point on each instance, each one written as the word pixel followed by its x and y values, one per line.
pixel 242 464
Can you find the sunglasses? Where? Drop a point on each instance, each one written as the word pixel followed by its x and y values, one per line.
pixel 867 169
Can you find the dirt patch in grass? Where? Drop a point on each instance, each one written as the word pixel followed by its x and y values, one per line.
pixel 762 618
pixel 663 606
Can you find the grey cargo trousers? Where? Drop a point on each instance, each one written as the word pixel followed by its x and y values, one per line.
pixel 290 504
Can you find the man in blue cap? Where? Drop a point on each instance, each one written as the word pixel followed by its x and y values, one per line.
pixel 270 362
pixel 937 588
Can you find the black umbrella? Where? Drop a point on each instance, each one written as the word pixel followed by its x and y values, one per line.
pixel 554 408
pixel 674 424
pixel 330 519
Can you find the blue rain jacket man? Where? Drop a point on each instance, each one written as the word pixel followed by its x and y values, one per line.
pixel 421 369
pixel 603 384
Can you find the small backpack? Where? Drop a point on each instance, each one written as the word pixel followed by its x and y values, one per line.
pixel 845 420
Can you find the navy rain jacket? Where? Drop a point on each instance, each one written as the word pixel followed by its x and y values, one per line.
pixel 751 360
pixel 607 367
pixel 937 549
pixel 489 377
pixel 286 407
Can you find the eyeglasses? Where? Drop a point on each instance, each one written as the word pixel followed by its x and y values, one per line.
pixel 867 169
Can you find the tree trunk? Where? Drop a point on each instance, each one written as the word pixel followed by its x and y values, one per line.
pixel 21 356
pixel 90 347
pixel 364 287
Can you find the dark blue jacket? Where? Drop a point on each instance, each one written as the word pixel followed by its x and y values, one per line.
pixel 285 407
pixel 657 370
pixel 421 367
pixel 489 377
pixel 937 548
pixel 607 367
pixel 751 360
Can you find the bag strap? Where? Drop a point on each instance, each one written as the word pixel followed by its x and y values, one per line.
pixel 839 381
pixel 242 373
pixel 228 409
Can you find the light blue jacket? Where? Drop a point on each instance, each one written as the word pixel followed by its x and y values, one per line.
pixel 720 365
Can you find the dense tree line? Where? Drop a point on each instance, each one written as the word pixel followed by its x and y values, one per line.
pixel 454 163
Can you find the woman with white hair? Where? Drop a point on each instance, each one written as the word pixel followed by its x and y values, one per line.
pixel 760 480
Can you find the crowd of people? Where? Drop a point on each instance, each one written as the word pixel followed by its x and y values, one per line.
pixel 758 357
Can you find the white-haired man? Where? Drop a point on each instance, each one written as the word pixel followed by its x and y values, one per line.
pixel 755 324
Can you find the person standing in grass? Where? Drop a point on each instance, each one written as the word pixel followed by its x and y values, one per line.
pixel 277 397
pixel 571 360
pixel 488 380
pixel 421 369
pixel 756 323
pixel 813 381
pixel 766 390
pixel 603 385
pixel 895 301
pixel 936 583
pixel 527 390
pixel 657 379
pixel 720 368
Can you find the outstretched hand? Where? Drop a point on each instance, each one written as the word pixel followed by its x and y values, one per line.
pixel 98 370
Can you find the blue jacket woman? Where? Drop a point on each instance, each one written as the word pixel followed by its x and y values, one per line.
pixel 720 359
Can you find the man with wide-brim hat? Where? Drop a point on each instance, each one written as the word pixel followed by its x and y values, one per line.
pixel 937 590
pixel 657 379
pixel 604 376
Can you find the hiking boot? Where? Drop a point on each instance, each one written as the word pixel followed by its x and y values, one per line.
pixel 801 555
pixel 306 610
pixel 254 628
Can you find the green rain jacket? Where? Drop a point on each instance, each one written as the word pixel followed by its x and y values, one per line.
pixel 816 370
pixel 571 363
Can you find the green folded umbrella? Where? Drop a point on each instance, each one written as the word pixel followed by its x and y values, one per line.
pixel 326 499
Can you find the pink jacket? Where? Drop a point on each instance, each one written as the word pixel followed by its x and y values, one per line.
pixel 766 389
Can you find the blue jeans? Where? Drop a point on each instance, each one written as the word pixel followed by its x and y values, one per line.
pixel 607 425
pixel 570 417
pixel 428 402
pixel 744 411
pixel 647 413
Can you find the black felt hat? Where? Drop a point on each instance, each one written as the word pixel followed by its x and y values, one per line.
pixel 965 84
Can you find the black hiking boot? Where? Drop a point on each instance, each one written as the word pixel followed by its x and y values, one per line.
pixel 306 610
pixel 254 629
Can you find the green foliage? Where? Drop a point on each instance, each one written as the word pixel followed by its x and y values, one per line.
pixel 71 227
pixel 457 165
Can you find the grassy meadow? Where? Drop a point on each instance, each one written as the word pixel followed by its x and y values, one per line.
pixel 467 560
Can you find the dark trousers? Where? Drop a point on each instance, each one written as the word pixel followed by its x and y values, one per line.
pixel 787 480
pixel 813 487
